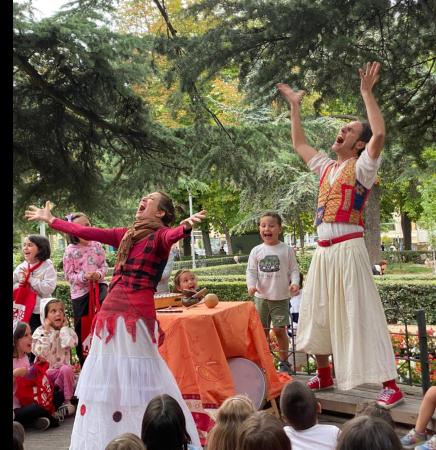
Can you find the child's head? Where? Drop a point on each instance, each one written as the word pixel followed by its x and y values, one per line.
pixel 126 441
pixel 364 432
pixel 54 310
pixel 262 431
pixel 373 410
pixel 383 264
pixel 164 425
pixel 185 279
pixel 156 205
pixel 270 227
pixel 22 339
pixel 299 406
pixel 81 219
pixel 231 414
pixel 301 280
pixel 19 435
pixel 36 248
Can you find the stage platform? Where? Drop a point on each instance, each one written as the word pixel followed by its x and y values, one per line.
pixel 350 402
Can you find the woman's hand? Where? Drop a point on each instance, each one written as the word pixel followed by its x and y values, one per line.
pixel 193 220
pixel 40 214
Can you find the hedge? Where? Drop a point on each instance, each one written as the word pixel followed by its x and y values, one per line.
pixel 400 298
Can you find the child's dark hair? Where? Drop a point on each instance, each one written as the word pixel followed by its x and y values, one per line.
pixel 364 432
pixel 166 205
pixel 71 218
pixel 365 135
pixel 299 405
pixel 373 410
pixel 164 425
pixel 271 214
pixel 43 244
pixel 20 331
pixel 54 300
pixel 262 431
pixel 177 276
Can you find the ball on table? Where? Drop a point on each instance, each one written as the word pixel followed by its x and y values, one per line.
pixel 211 300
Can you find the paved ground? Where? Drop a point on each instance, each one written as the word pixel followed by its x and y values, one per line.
pixel 51 439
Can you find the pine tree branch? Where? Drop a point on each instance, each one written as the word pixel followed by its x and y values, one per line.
pixel 37 80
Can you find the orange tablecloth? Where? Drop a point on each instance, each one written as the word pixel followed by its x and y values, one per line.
pixel 198 342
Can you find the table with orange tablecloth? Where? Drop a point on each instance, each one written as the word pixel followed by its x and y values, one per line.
pixel 198 342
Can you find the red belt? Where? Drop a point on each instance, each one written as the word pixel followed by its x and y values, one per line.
pixel 345 237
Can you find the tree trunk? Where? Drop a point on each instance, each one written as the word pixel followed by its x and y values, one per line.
pixel 228 239
pixel 187 246
pixel 206 241
pixel 301 234
pixel 372 224
pixel 406 226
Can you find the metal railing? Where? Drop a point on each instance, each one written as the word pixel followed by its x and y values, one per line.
pixel 415 353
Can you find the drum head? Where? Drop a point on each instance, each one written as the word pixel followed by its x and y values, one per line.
pixel 249 380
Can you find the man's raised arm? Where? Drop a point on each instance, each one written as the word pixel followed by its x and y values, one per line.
pixel 293 99
pixel 369 75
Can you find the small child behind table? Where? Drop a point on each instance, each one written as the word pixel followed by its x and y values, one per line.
pixel 53 341
pixel 272 277
pixel 300 410
pixel 185 280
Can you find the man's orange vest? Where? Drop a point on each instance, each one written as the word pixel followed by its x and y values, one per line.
pixel 344 200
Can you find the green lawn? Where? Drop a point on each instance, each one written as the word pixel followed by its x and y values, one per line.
pixel 408 268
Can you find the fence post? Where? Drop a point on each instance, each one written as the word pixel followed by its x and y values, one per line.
pixel 423 353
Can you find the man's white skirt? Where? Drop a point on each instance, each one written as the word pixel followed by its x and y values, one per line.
pixel 341 313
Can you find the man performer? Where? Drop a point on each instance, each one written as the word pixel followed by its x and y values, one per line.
pixel 341 312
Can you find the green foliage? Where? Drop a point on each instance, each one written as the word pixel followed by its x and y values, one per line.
pixel 76 113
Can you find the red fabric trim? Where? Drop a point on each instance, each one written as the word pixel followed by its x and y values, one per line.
pixel 345 237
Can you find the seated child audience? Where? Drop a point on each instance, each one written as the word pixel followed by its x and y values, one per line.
pixel 164 425
pixel 262 431
pixel 233 411
pixel 300 410
pixel 18 436
pixel 418 435
pixel 374 410
pixel 32 414
pixel 126 441
pixel 368 433
pixel 53 341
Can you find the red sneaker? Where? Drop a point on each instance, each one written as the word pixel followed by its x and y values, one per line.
pixel 318 384
pixel 388 398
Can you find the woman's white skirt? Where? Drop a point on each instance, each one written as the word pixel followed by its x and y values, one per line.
pixel 116 383
pixel 341 313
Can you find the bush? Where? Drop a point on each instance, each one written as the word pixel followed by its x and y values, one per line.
pixel 406 256
pixel 209 262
